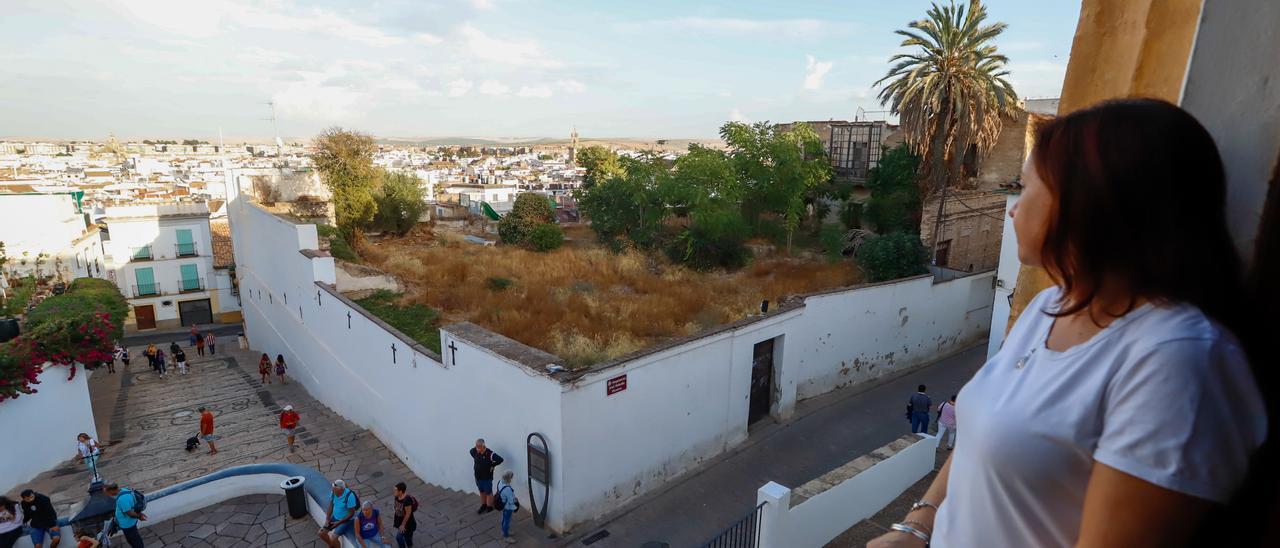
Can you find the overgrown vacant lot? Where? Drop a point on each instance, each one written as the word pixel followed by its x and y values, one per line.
pixel 582 302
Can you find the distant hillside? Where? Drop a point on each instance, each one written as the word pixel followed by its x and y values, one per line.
pixel 540 142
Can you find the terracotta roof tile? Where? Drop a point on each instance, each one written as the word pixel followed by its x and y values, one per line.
pixel 222 250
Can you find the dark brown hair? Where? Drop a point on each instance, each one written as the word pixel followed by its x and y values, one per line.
pixel 1140 202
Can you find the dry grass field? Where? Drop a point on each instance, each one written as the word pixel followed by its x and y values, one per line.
pixel 582 302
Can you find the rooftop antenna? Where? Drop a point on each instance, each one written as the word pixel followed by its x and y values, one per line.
pixel 279 143
pixel 858 116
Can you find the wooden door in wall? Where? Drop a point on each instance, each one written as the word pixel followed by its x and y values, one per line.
pixel 145 316
pixel 761 381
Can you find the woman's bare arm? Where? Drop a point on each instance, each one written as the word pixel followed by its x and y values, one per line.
pixel 1123 510
pixel 923 516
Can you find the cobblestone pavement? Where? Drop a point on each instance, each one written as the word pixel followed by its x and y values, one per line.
pixel 153 417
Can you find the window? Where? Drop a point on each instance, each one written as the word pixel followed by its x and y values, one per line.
pixel 190 277
pixel 146 282
pixel 186 245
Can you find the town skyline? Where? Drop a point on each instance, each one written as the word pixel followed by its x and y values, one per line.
pixel 488 69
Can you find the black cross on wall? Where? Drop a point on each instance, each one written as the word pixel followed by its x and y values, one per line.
pixel 348 319
pixel 393 352
pixel 453 348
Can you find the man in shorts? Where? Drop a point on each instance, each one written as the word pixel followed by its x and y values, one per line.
pixel 38 510
pixel 288 423
pixel 206 430
pixel 485 460
pixel 341 514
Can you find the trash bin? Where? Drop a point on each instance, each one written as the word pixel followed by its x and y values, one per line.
pixel 295 496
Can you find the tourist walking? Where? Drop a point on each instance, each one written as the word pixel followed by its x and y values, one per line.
pixel 485 460
pixel 211 341
pixel 206 430
pixel 160 362
pixel 264 368
pixel 918 407
pixel 89 451
pixel 280 367
pixel 10 522
pixel 402 517
pixel 199 345
pixel 288 423
pixel 1122 409
pixel 507 501
pixel 947 423
pixel 339 516
pixel 369 522
pixel 129 511
pixel 150 353
pixel 173 348
pixel 38 510
pixel 117 353
pixel 195 335
pixel 180 358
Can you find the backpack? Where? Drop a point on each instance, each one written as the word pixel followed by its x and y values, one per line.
pixel 497 499
pixel 139 500
pixel 356 508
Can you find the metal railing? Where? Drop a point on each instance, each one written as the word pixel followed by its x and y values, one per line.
pixel 744 533
pixel 142 253
pixel 188 285
pixel 185 250
pixel 146 290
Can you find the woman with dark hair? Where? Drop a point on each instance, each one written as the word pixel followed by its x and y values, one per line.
pixel 10 522
pixel 1121 409
pixel 280 367
pixel 264 368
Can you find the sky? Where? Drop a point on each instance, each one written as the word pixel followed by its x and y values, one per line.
pixel 84 69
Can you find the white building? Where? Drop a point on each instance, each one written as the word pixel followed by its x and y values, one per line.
pixel 48 235
pixel 161 258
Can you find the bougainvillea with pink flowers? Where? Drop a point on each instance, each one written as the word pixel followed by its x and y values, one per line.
pixel 77 328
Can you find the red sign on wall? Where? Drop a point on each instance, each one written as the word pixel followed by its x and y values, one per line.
pixel 615 385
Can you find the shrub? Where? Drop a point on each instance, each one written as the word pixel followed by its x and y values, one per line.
pixel 529 211
pixel 545 237
pixel 338 246
pixel 892 256
pixel 715 238
pixel 832 239
pixel 400 203
pixel 498 284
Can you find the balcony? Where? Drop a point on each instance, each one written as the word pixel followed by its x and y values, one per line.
pixel 146 290
pixel 185 250
pixel 143 253
pixel 191 285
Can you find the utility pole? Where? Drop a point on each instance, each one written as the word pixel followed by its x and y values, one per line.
pixel 937 223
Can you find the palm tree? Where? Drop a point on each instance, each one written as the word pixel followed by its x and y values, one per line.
pixel 951 92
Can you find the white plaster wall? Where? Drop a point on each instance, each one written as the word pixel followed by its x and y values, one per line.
pixel 825 516
pixel 425 412
pixel 227 302
pixel 682 406
pixel 1233 88
pixel 39 430
pixel 863 333
pixel 41 223
pixel 1006 280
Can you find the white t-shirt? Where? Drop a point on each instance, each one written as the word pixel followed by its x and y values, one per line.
pixel 87 448
pixel 1163 394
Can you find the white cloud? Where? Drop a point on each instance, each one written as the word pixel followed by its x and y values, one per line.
pixel 528 53
pixel 795 28
pixel 426 39
pixel 493 87
pixel 209 18
pixel 571 86
pixel 736 115
pixel 725 93
pixel 459 87
pixel 540 91
pixel 485 5
pixel 814 72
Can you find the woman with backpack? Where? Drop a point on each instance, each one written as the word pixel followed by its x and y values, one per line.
pixel 505 498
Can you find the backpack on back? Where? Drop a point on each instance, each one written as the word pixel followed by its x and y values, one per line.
pixel 139 500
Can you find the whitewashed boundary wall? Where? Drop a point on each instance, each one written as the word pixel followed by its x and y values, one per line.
pixel 815 521
pixel 39 430
pixel 859 334
pixel 425 411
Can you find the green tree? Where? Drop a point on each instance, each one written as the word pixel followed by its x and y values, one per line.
pixel 895 197
pixel 545 237
pixel 950 92
pixel 529 211
pixel 704 176
pixel 601 164
pixel 892 256
pixel 628 206
pixel 780 171
pixel 715 239
pixel 344 159
pixel 400 202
